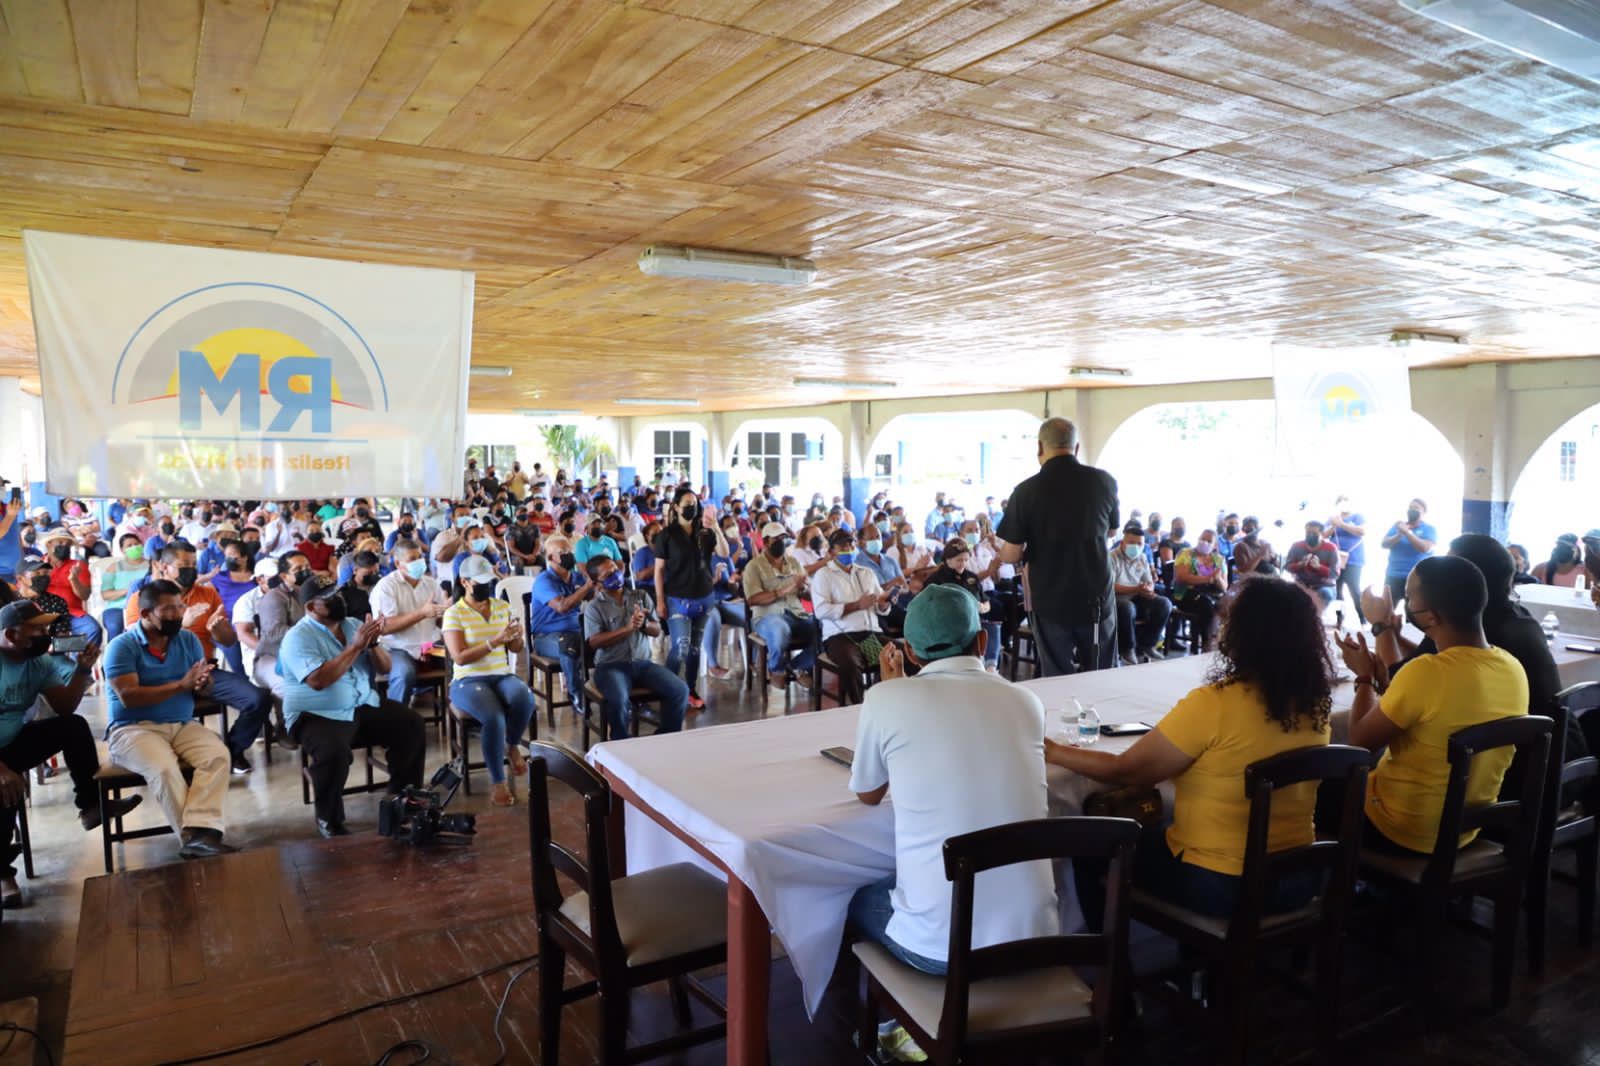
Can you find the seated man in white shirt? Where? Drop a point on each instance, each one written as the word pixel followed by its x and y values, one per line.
pixel 1141 611
pixel 849 602
pixel 411 602
pixel 960 750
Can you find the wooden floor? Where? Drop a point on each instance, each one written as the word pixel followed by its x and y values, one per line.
pixel 351 946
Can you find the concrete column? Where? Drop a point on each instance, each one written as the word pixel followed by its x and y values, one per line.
pixel 627 469
pixel 13 449
pixel 858 462
pixel 1485 445
pixel 718 475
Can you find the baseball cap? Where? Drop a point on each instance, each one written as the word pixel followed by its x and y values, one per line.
pixel 774 529
pixel 476 568
pixel 942 621
pixel 1593 534
pixel 315 590
pixel 38 511
pixel 267 566
pixel 1134 526
pixel 18 612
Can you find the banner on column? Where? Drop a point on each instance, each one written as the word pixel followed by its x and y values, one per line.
pixel 1337 406
pixel 178 371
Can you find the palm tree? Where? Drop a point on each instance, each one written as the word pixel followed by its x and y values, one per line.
pixel 582 453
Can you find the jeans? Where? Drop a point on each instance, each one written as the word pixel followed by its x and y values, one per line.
pixel 233 655
pixel 402 676
pixel 991 648
pixel 84 625
pixel 1141 621
pixel 549 645
pixel 616 680
pixel 36 742
pixel 1326 594
pixel 1350 578
pixel 112 619
pixel 783 631
pixel 329 745
pixel 713 638
pixel 252 702
pixel 869 914
pixel 1068 648
pixel 686 624
pixel 503 707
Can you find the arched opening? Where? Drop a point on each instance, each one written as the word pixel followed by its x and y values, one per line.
pixel 968 454
pixel 804 455
pixel 1557 489
pixel 1203 460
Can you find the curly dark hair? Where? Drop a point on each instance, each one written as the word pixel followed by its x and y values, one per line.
pixel 1273 639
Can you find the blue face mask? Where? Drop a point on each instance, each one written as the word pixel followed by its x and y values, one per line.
pixel 908 539
pixel 1132 551
pixel 480 545
pixel 884 526
pixel 140 521
pixel 464 521
pixel 846 558
pixel 613 582
pixel 873 547
pixel 416 568
pixel 971 539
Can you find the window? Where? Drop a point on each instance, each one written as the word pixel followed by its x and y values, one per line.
pixel 883 465
pixel 1569 460
pixel 766 453
pixel 672 453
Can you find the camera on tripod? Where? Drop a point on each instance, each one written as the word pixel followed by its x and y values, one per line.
pixel 417 814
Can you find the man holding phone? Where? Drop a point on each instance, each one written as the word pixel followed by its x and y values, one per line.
pixel 617 631
pixel 10 532
pixel 69 579
pixel 29 670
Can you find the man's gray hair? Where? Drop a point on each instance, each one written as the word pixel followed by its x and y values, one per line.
pixel 1058 434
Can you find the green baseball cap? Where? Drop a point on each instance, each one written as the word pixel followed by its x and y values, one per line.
pixel 942 621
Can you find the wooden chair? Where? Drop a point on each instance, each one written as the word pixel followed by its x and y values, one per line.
pixel 1498 871
pixel 1018 1001
pixel 112 780
pixel 1235 943
pixel 628 932
pixel 1575 825
pixel 370 760
pixel 24 837
pixel 1022 650
pixel 459 727
pixel 204 708
pixel 825 667
pixel 544 673
pixel 645 705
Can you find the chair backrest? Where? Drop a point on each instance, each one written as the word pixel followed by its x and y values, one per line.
pixel 517 591
pixel 1579 702
pixel 1048 839
pixel 1334 858
pixel 590 871
pixel 1515 821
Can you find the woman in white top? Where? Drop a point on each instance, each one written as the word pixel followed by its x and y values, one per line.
pixel 916 562
pixel 810 550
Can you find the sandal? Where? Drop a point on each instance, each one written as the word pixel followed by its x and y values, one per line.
pixel 517 760
pixel 502 796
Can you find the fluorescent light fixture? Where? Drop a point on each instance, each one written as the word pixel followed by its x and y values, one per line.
pixel 651 401
pixel 842 383
pixel 479 371
pixel 709 264
pixel 529 412
pixel 1109 372
pixel 1410 338
pixel 1562 33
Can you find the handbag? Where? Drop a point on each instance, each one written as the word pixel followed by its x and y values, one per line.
pixel 1143 805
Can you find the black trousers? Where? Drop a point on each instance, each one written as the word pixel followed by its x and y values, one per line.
pixel 1070 648
pixel 1350 577
pixel 843 649
pixel 67 735
pixel 329 745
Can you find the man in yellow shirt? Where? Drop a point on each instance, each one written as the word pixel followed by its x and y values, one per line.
pixel 1466 682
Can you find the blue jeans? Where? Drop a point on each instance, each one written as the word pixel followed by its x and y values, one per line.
pixel 713 637
pixel 402 676
pixel 502 704
pixel 781 630
pixel 615 680
pixel 112 620
pixel 233 655
pixel 84 625
pixel 686 624
pixel 549 645
pixel 991 648
pixel 251 701
pixel 870 911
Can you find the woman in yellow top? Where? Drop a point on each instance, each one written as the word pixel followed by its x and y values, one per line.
pixel 1268 693
pixel 478 630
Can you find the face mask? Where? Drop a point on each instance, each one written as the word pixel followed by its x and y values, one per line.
pixel 605 510
pixel 170 627
pixel 1231 530
pixel 908 539
pixel 301 575
pixel 594 532
pixel 61 551
pixel 1132 551
pixel 186 576
pixel 688 508
pixel 730 532
pixel 539 507
pixel 482 591
pixel 407 529
pixel 567 560
pixel 1414 617
pixel 873 547
pixel 140 521
pixel 777 546
pixel 369 581
pixel 788 508
pixel 1413 515
pixel 29 538
pixel 845 558
pixel 74 510
pixel 1178 532
pixel 38 646
pixel 416 568
pixel 464 521
pixel 235 563
pixel 1313 539
pixel 480 545
pixel 166 529
pixel 39 582
pixel 650 503
pixel 971 539
pixel 568 528
pixel 334 609
pixel 1203 548
pixel 133 553
pixel 362 512
pixel 815 544
pixel 613 582
pixel 315 536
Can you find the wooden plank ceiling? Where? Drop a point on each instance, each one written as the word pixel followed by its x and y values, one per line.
pixel 994 190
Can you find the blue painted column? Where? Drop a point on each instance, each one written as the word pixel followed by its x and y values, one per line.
pixel 857 494
pixel 705 465
pixel 625 476
pixel 900 462
pixel 983 464
pixel 718 483
pixel 1486 516
pixel 39 497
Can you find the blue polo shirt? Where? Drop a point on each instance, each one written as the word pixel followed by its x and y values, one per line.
pixel 129 653
pixel 11 543
pixel 210 558
pixel 542 618
pixel 308 645
pixel 22 681
pixel 1351 544
pixel 882 564
pixel 1404 557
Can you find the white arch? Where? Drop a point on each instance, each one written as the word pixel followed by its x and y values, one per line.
pixel 1555 493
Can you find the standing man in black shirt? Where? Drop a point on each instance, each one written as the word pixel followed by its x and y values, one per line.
pixel 684 585
pixel 1057 522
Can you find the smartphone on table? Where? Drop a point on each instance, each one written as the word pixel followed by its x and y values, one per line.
pixel 843 756
pixel 1125 729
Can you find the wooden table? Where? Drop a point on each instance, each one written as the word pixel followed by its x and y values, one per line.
pixel 195 958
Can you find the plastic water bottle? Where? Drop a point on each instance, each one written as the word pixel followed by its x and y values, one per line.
pixel 1550 623
pixel 1088 726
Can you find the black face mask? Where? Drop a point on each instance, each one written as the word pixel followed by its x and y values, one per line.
pixel 315 536
pixel 815 544
pixel 170 627
pixel 301 574
pixel 650 504
pixel 39 582
pixel 333 609
pixel 407 530
pixel 369 580
pixel 1231 530
pixel 482 591
pixel 251 547
pixel 1313 539
pixel 187 576
pixel 205 516
pixel 688 509
pixel 1178 532
pixel 567 561
pixel 38 646
pixel 29 538
pixel 777 546
pixel 362 512
pixel 605 511
pixel 235 563
pixel 1413 515
pixel 61 551
pixel 167 529
pixel 1250 535
pixel 539 507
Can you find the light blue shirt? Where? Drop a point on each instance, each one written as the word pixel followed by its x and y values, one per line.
pixel 22 681
pixel 130 653
pixel 308 645
pixel 587 548
pixel 882 564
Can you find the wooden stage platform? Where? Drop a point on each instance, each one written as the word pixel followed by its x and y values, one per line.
pixel 194 959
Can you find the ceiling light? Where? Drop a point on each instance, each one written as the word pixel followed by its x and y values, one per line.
pixel 843 383
pixel 651 401
pixel 1409 338
pixel 480 371
pixel 1562 33
pixel 529 412
pixel 709 264
pixel 1099 372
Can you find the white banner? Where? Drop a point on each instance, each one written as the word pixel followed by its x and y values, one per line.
pixel 1337 407
pixel 177 371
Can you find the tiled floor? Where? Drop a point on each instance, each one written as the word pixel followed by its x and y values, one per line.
pixel 1550 1023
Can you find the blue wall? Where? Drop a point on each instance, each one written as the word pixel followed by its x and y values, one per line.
pixel 625 476
pixel 1485 516
pixel 857 494
pixel 719 482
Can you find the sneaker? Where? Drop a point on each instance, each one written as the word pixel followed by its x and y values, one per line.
pixel 90 818
pixel 241 763
pixel 1128 659
pixel 896 1045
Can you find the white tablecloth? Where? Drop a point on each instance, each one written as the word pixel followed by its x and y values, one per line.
pixel 759 797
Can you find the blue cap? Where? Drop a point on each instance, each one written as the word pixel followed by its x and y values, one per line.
pixel 942 621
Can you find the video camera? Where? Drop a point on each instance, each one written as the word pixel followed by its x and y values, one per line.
pixel 417 814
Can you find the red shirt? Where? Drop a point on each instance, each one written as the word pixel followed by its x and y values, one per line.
pixel 318 555
pixel 61 585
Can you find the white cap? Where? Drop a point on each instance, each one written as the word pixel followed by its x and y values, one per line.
pixel 267 566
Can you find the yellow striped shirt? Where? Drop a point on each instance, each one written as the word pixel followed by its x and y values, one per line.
pixel 462 618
